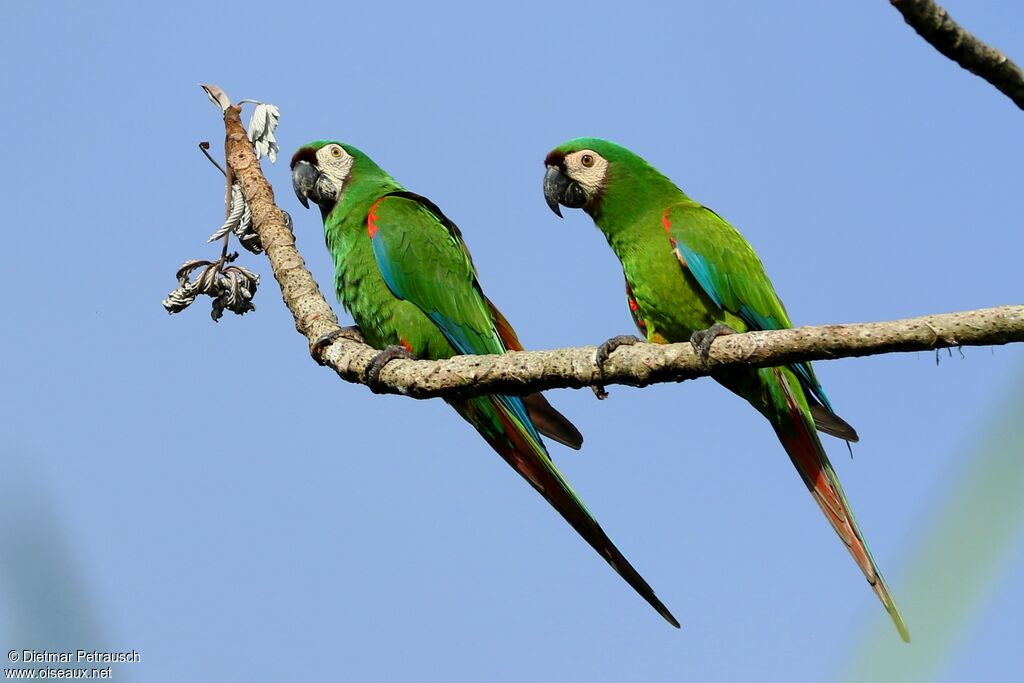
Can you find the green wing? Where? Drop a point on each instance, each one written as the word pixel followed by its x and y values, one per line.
pixel 423 260
pixel 730 272
pixel 725 265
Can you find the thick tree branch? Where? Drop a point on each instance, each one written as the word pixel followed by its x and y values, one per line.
pixel 531 371
pixel 934 24
pixel 313 315
pixel 643 364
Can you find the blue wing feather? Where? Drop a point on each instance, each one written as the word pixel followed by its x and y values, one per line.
pixel 404 284
pixel 766 314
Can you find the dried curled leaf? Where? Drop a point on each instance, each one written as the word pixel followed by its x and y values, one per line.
pixel 236 286
pixel 185 272
pixel 261 131
pixel 216 95
pixel 239 222
pixel 232 288
pixel 180 299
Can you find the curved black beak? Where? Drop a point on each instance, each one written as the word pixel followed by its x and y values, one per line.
pixel 560 189
pixel 555 183
pixel 304 179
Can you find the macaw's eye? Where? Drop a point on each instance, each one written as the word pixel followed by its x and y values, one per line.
pixel 335 151
pixel 587 160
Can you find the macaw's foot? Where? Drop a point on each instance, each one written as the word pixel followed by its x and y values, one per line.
pixel 601 357
pixel 317 348
pixel 701 339
pixel 379 361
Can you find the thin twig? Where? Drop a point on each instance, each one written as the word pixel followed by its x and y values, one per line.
pixel 229 177
pixel 204 147
pixel 934 24
pixel 220 263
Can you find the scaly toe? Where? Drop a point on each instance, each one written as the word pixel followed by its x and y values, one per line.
pixel 317 348
pixel 601 357
pixel 701 340
pixel 379 361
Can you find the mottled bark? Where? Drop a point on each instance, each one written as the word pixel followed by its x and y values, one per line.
pixel 313 315
pixel 934 24
pixel 643 364
pixel 530 371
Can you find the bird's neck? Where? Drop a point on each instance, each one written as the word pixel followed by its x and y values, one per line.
pixel 629 195
pixel 630 212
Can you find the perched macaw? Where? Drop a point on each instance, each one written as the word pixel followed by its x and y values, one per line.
pixel 691 276
pixel 405 275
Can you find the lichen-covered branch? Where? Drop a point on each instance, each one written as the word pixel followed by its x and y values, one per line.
pixel 530 371
pixel 643 364
pixel 934 24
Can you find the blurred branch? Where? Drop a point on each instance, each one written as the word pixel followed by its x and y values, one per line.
pixel 980 513
pixel 934 24
pixel 530 371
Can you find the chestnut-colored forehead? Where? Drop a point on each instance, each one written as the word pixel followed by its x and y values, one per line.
pixel 307 154
pixel 555 157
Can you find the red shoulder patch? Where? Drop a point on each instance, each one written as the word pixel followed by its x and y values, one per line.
pixel 667 224
pixel 634 309
pixel 371 219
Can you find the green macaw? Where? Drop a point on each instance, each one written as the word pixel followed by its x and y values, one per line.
pixel 691 276
pixel 405 275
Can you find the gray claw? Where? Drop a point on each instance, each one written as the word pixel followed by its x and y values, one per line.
pixel 601 357
pixel 702 339
pixel 317 348
pixel 379 361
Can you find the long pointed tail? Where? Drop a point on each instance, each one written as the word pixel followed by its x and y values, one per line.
pixel 796 431
pixel 503 422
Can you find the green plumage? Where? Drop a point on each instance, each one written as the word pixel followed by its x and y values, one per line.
pixel 405 275
pixel 357 279
pixel 686 269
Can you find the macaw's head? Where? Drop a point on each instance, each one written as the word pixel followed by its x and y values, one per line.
pixel 325 169
pixel 586 172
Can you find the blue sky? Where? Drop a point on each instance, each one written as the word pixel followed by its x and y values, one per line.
pixel 205 494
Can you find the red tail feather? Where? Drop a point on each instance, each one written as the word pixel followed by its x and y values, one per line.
pixel 801 442
pixel 529 459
